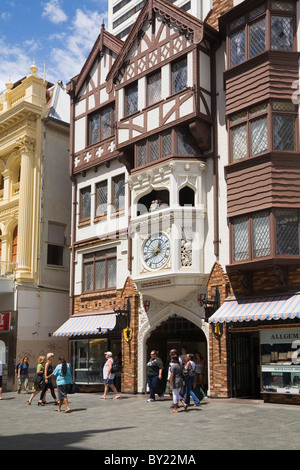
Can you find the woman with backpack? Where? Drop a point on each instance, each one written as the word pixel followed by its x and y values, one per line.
pixel 22 371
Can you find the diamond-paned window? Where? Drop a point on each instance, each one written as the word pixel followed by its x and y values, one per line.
pixel 154 88
pixel 186 143
pixel 179 75
pixel 94 129
pixel 131 99
pixel 111 272
pixel 257 35
pixel 154 149
pixel 237 48
pixel 284 133
pixel 119 192
pixel 240 239
pixel 100 275
pixel 261 235
pixel 101 199
pixel 287 232
pixel 141 154
pixel 166 144
pixel 85 203
pixel 282 33
pixel 282 6
pixel 239 142
pixel 259 136
pixel 88 277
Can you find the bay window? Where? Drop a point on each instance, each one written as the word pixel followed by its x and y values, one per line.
pixel 252 235
pixel 256 31
pixel 101 124
pixel 250 130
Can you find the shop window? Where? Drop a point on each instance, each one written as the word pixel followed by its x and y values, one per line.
pixel 56 242
pixel 280 361
pixel 154 88
pixel 99 270
pixel 102 124
pixel 101 199
pixel 131 99
pixel 179 75
pixel 85 204
pixel 118 183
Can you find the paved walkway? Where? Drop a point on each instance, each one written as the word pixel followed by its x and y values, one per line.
pixel 132 423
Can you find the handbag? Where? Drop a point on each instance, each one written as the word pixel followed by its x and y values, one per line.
pixel 38 379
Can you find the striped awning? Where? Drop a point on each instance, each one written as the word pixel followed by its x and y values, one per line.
pixel 82 325
pixel 260 308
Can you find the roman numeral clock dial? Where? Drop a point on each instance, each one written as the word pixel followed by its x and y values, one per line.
pixel 156 251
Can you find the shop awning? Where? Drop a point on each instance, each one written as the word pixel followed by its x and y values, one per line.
pixel 81 325
pixel 260 308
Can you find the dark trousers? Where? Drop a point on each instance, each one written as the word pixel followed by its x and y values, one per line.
pixel 154 386
pixel 51 388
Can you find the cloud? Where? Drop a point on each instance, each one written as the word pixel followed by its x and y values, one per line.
pixel 77 44
pixel 54 12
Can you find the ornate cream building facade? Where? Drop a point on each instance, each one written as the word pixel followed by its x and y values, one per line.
pixel 34 219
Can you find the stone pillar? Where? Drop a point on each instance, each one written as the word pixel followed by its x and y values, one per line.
pixel 24 267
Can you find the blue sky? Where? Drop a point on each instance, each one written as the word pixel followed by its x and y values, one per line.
pixel 58 32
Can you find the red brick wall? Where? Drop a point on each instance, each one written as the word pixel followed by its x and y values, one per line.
pixel 219 8
pixel 218 350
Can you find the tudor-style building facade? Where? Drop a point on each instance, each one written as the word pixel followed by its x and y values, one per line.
pixel 257 353
pixel 146 196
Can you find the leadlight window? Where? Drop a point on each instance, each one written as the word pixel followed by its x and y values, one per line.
pixel 287 232
pixel 131 99
pixel 179 75
pixel 250 33
pixel 154 88
pixel 85 204
pixel 102 124
pixel 250 129
pixel 186 144
pixel 101 199
pixel 119 192
pixel 100 270
pixel 251 235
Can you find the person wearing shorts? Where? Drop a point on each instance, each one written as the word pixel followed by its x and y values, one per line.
pixel 108 377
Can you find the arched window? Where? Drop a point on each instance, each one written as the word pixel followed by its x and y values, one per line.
pixel 157 199
pixel 14 245
pixel 186 197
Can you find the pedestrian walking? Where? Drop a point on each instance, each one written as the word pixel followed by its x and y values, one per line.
pixel 64 378
pixel 189 377
pixel 176 382
pixel 38 379
pixel 23 376
pixel 154 371
pixel 109 376
pixel 48 381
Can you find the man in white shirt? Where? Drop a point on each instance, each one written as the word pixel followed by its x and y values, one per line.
pixel 108 377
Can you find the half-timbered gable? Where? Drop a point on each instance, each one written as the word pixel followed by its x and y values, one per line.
pixel 93 107
pixel 162 79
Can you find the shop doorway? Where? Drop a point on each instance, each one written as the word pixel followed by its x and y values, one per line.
pixel 176 333
pixel 245 365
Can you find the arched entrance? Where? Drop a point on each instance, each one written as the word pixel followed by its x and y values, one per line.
pixel 175 333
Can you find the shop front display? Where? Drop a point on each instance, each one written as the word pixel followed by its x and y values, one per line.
pixel 280 361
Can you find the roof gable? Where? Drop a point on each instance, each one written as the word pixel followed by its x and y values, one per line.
pixel 187 25
pixel 104 40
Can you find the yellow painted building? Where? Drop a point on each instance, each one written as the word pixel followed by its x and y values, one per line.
pixel 35 195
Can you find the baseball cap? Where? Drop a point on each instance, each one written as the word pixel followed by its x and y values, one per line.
pixel 108 353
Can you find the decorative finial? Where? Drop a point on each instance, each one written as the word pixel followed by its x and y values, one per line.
pixel 9 85
pixel 103 24
pixel 33 69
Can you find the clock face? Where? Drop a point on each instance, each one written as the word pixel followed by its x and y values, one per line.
pixel 156 251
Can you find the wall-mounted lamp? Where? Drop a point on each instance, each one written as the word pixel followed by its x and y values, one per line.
pixel 211 305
